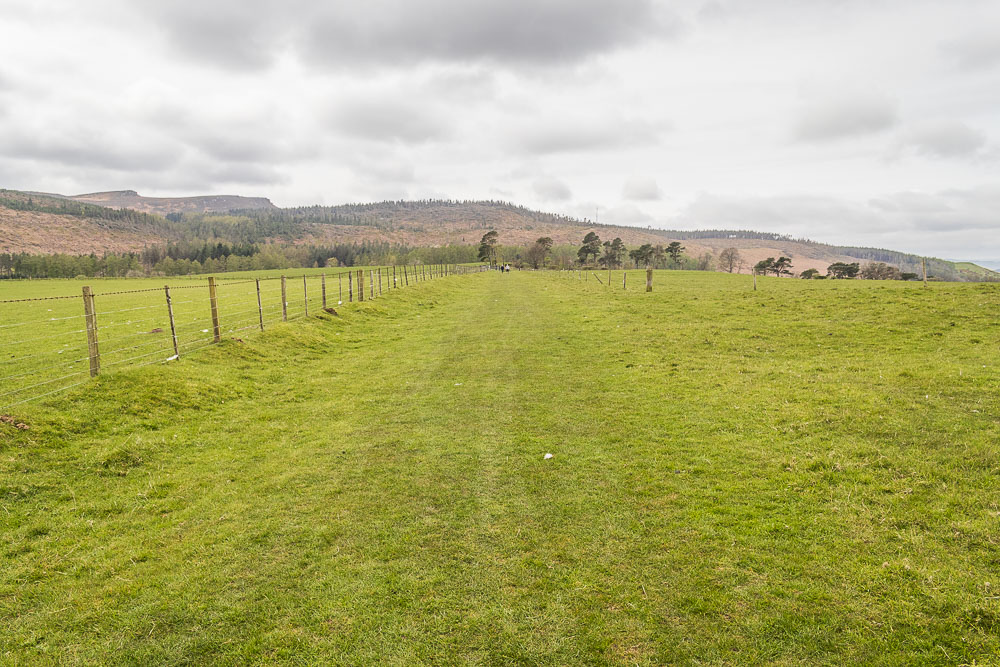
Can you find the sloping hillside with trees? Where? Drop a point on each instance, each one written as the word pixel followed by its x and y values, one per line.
pixel 263 236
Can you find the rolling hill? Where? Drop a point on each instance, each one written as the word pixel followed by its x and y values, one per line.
pixel 123 221
pixel 166 205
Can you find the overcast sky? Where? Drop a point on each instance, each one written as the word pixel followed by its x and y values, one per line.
pixel 866 122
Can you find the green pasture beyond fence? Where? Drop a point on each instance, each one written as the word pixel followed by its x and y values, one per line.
pixel 52 343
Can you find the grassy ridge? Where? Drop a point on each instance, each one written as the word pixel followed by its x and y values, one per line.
pixel 803 473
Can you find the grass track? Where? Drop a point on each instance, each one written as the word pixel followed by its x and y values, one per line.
pixel 805 474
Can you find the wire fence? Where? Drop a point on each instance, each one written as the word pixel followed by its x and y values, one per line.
pixel 52 344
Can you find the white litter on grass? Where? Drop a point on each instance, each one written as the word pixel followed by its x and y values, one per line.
pixel 547 456
pixel 458 384
pixel 173 358
pixel 204 330
pixel 340 303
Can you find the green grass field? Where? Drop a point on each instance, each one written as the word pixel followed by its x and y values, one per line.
pixel 43 333
pixel 805 474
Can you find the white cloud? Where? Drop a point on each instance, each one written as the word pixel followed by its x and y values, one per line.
pixel 844 117
pixel 945 139
pixel 551 189
pixel 641 189
pixel 977 50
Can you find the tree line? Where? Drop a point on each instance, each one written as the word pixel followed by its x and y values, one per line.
pixel 188 258
pixel 594 253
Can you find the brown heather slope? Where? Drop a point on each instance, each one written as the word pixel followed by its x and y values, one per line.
pixel 804 256
pixel 439 224
pixel 35 232
pixel 513 231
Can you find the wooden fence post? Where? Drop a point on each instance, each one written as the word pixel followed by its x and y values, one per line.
pixel 371 282
pixel 91 316
pixel 754 280
pixel 361 284
pixel 213 298
pixel 923 263
pixel 394 284
pixel 322 285
pixel 305 293
pixel 260 307
pixel 340 285
pixel 406 276
pixel 649 280
pixel 624 274
pixel 350 286
pixel 170 313
pixel 380 281
pixel 284 300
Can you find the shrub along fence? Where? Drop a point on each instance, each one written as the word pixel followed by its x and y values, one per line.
pixel 51 344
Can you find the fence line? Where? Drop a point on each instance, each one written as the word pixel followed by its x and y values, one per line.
pixel 62 351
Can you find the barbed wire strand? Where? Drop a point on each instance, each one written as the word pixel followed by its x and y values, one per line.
pixel 141 356
pixel 48 319
pixel 116 350
pixel 48 393
pixel 41 298
pixel 45 337
pixel 39 384
pixel 37 371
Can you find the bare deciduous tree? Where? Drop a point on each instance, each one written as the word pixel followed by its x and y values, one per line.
pixel 730 259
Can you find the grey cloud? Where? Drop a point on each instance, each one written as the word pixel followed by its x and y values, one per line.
pixel 551 189
pixel 569 135
pixel 966 218
pixel 954 210
pixel 946 139
pixel 628 214
pixel 252 141
pixel 777 213
pixel 187 176
pixel 468 86
pixel 89 150
pixel 216 39
pixel 381 171
pixel 251 34
pixel 229 133
pixel 244 173
pixel 390 120
pixel 841 118
pixel 229 33
pixel 978 51
pixel 641 189
pixel 713 13
pixel 509 31
pixel 239 148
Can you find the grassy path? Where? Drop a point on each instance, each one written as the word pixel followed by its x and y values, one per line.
pixel 803 474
